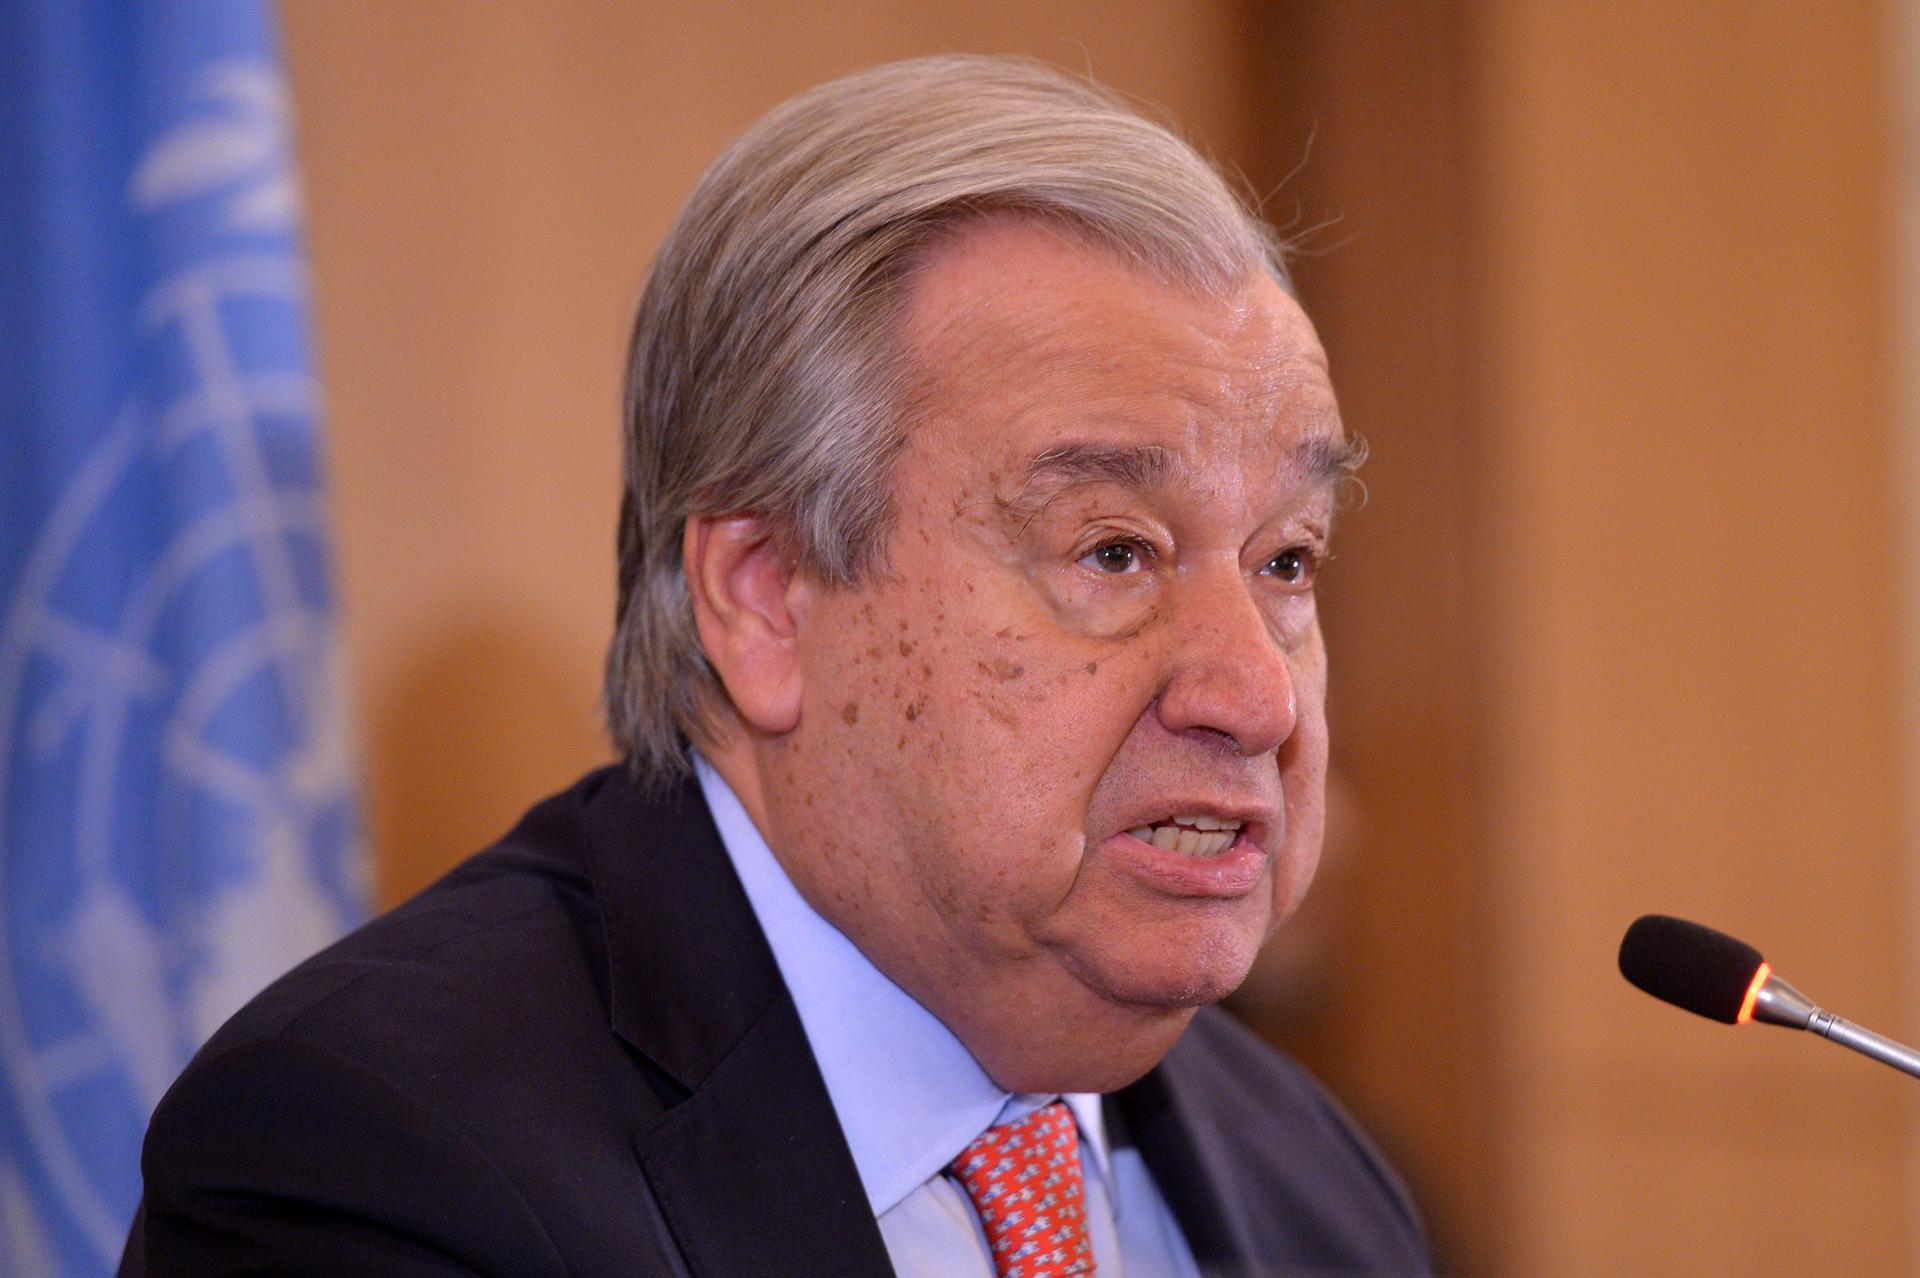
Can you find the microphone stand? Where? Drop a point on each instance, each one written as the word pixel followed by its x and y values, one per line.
pixel 1778 1003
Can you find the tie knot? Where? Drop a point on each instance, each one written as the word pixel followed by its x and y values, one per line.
pixel 1024 1180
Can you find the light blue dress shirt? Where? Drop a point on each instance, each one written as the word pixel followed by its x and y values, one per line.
pixel 910 1097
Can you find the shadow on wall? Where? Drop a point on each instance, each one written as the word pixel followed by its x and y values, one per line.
pixel 477 724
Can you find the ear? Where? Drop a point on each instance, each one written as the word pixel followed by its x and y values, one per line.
pixel 745 589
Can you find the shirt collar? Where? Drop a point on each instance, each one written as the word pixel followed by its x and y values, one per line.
pixel 908 1094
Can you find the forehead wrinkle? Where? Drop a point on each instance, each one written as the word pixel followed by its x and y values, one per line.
pixel 996 358
pixel 1019 353
pixel 1070 344
pixel 968 358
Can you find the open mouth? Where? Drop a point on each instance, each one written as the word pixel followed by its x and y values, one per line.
pixel 1198 836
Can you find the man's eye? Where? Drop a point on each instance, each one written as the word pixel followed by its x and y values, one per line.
pixel 1114 558
pixel 1296 566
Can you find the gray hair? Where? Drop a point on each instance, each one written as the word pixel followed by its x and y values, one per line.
pixel 766 372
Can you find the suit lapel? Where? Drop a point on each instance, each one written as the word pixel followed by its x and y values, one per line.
pixel 749 1167
pixel 1188 1169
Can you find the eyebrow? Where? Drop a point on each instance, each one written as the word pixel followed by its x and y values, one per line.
pixel 1134 466
pixel 1319 462
pixel 1323 462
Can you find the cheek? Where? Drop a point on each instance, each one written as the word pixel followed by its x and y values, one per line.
pixel 987 683
pixel 981 722
pixel 1107 610
pixel 1303 771
pixel 1303 756
pixel 1010 731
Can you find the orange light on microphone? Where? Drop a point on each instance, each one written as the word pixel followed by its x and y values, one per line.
pixel 1753 993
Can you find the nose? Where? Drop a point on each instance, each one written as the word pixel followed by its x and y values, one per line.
pixel 1229 673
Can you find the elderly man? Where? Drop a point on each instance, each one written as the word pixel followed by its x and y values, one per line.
pixel 979 472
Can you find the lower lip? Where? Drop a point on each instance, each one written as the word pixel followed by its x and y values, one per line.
pixel 1231 873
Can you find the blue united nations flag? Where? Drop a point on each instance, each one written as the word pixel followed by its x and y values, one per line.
pixel 177 816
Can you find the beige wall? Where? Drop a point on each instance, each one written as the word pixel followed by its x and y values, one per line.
pixel 1605 286
pixel 1694 659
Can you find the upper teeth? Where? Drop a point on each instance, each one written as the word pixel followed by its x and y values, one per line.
pixel 1192 835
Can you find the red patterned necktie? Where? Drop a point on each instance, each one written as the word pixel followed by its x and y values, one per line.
pixel 1024 1179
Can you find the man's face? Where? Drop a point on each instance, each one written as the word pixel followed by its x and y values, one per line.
pixel 1060 765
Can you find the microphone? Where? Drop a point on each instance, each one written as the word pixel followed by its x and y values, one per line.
pixel 1711 974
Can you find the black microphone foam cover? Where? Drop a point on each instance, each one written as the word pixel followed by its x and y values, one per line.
pixel 1690 966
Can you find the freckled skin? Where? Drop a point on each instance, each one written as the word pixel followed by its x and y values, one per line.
pixel 969 857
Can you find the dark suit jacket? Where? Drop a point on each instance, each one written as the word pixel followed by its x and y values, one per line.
pixel 575 1056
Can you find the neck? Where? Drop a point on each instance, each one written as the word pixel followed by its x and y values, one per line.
pixel 732 756
pixel 1055 1035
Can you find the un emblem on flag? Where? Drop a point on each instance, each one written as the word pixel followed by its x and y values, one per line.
pixel 177 816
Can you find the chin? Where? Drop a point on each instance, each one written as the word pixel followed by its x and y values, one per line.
pixel 1187 989
pixel 1186 966
pixel 1191 974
